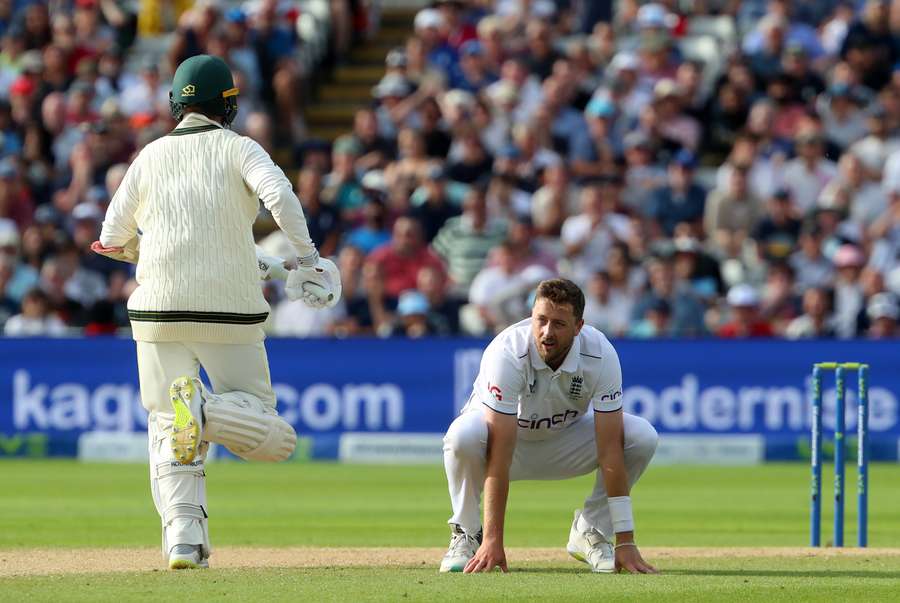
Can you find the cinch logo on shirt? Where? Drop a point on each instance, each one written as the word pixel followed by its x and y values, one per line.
pixel 535 423
pixel 609 397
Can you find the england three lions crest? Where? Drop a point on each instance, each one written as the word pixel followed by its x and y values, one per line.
pixel 575 388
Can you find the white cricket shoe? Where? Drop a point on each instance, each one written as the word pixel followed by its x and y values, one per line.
pixel 592 548
pixel 187 404
pixel 187 556
pixel 463 547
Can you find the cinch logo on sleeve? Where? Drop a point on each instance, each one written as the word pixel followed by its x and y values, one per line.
pixel 610 397
pixel 496 392
pixel 535 423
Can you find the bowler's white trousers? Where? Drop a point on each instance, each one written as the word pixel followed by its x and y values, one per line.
pixel 571 453
pixel 179 491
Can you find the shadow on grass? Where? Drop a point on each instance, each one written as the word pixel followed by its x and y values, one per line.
pixel 891 575
pixel 885 575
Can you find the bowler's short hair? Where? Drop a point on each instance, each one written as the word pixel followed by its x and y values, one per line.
pixel 562 291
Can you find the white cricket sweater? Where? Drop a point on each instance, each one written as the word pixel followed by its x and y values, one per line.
pixel 194 195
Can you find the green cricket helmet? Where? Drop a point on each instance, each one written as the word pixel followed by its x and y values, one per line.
pixel 204 81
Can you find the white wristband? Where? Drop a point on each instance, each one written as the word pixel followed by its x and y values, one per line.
pixel 620 510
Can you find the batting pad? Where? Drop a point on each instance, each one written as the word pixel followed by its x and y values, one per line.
pixel 179 492
pixel 243 424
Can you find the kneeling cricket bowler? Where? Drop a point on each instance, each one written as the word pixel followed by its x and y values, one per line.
pixel 547 404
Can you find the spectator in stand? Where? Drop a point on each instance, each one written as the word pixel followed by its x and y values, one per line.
pixel 729 112
pixel 655 320
pixel 274 42
pixel 465 241
pixel 490 35
pixel 342 189
pixel 842 115
pixel 866 199
pixel 597 153
pixel 731 214
pixel 21 277
pixel 787 110
pixel 681 201
pixel 643 176
pixel 375 150
pixel 430 27
pixel 883 313
pixel 436 208
pixel 400 261
pixel 796 32
pixel 607 308
pixel 354 296
pixel 469 161
pixel 807 83
pixel 780 304
pixel 413 316
pixel 695 269
pixel 588 237
pixel 848 293
pixel 885 231
pixel 473 69
pixel 869 47
pixel 874 149
pixel 777 231
pixel 412 164
pixel 515 74
pixel 816 321
pixel 36 318
pixel 743 302
pixel 811 267
pixel 567 126
pixel 443 309
pixel 373 232
pixel 541 53
pixel 434 135
pixel 765 61
pixel 15 201
pixel 686 309
pixel 806 175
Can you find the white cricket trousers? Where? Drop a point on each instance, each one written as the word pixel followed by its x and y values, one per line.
pixel 179 491
pixel 571 453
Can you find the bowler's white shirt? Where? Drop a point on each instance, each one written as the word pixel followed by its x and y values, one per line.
pixel 514 380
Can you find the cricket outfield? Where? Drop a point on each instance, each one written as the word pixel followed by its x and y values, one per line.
pixel 317 531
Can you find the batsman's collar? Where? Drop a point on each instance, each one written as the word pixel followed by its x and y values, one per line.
pixel 569 365
pixel 194 120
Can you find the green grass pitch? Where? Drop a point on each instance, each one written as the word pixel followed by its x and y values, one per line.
pixel 66 505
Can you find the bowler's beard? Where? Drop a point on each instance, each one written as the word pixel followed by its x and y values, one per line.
pixel 554 359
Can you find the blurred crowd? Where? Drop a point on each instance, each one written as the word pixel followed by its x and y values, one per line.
pixel 727 169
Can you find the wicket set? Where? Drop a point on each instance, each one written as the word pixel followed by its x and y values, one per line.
pixel 862 460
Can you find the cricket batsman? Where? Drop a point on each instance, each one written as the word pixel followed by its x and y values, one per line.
pixel 184 214
pixel 547 404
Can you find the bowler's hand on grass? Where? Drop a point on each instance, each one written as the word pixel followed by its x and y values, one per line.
pixel 489 556
pixel 628 559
